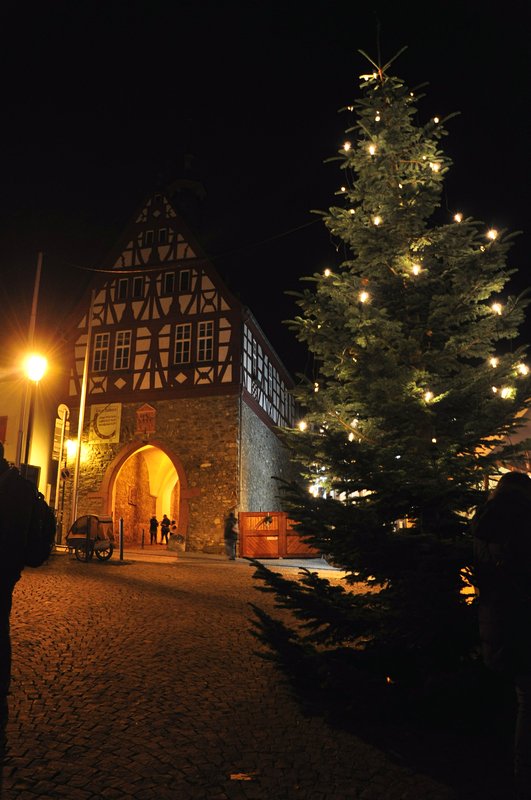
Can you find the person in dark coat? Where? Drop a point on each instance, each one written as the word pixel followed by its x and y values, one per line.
pixel 502 566
pixel 16 502
pixel 164 528
pixel 230 535
pixel 153 525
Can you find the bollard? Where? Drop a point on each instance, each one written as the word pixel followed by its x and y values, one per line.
pixel 121 537
pixel 142 538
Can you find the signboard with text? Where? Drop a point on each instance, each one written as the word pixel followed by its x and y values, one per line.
pixel 105 421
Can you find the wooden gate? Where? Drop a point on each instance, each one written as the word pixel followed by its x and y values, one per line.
pixel 270 535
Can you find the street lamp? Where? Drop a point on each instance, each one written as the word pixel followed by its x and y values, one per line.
pixel 35 367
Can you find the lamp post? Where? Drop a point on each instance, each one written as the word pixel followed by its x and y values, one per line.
pixel 31 336
pixel 82 405
pixel 35 367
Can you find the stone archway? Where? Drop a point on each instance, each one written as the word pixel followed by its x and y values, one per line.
pixel 145 482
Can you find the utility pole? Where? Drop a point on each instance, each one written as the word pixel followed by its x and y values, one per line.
pixel 31 340
pixel 82 404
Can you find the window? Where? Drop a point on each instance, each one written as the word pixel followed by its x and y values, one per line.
pixel 148 238
pixel 122 350
pixel 184 280
pixel 163 236
pixel 205 341
pixel 138 287
pixel 183 342
pixel 121 289
pixel 101 352
pixel 169 283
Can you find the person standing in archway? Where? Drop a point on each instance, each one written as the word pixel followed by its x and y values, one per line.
pixel 164 528
pixel 153 526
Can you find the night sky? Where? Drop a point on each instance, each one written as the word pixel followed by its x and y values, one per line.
pixel 101 100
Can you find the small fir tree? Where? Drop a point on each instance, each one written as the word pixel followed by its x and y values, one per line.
pixel 416 392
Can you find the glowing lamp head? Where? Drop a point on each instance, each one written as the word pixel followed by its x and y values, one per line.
pixel 71 448
pixel 35 367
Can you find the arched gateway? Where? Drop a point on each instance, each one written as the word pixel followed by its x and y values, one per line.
pixel 142 480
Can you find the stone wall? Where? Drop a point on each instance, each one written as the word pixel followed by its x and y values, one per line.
pixel 201 436
pixel 263 458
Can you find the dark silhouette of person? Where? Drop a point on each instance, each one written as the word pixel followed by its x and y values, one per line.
pixel 16 502
pixel 502 566
pixel 230 534
pixel 164 528
pixel 153 526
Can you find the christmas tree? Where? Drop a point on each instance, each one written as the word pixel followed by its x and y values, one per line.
pixel 418 385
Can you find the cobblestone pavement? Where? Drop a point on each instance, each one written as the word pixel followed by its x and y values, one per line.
pixel 140 679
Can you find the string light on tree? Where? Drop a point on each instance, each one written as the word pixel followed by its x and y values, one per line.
pixel 492 234
pixel 497 308
pixel 458 217
pixel 363 296
pixel 494 361
pixel 377 220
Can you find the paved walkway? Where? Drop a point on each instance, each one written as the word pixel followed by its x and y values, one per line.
pixel 139 679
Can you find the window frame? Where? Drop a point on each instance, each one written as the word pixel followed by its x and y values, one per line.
pixel 185 280
pixel 100 353
pixel 122 289
pixel 184 341
pixel 168 277
pixel 120 348
pixel 138 280
pixel 205 341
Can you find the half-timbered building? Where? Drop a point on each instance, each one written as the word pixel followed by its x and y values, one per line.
pixel 180 392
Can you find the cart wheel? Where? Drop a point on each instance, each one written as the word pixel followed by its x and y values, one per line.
pixel 81 554
pixel 104 555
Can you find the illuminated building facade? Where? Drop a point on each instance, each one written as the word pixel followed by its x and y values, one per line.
pixel 180 390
